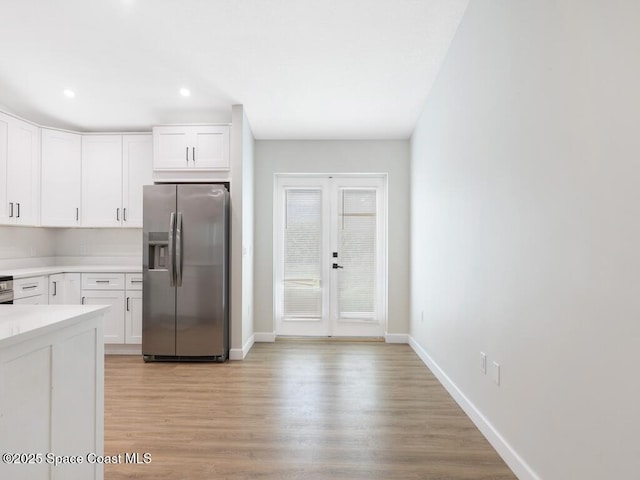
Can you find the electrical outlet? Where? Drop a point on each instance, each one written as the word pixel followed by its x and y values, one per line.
pixel 483 362
pixel 495 372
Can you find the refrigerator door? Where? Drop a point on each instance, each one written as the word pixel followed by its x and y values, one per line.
pixel 201 272
pixel 159 294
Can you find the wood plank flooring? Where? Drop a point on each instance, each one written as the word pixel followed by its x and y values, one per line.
pixel 292 410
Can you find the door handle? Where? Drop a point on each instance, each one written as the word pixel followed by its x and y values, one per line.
pixel 172 271
pixel 55 289
pixel 335 265
pixel 82 301
pixel 179 250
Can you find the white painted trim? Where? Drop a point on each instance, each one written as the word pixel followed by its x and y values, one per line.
pixel 396 338
pixel 240 353
pixel 123 349
pixel 265 337
pixel 521 469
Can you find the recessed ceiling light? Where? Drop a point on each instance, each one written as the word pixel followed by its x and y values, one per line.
pixel 185 92
pixel 69 93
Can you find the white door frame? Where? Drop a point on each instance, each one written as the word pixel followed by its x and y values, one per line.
pixel 281 181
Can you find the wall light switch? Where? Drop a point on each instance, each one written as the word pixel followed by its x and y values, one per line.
pixel 483 362
pixel 495 372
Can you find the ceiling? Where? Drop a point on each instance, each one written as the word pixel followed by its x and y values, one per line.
pixel 303 69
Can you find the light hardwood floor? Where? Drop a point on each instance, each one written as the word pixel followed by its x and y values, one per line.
pixel 292 410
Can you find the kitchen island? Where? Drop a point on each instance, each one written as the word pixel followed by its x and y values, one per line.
pixel 51 391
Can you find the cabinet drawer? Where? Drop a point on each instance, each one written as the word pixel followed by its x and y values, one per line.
pixel 133 281
pixel 103 281
pixel 35 300
pixel 29 287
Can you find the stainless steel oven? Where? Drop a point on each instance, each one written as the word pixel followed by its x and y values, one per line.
pixel 6 290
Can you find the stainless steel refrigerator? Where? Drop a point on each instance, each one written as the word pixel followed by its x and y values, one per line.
pixel 185 314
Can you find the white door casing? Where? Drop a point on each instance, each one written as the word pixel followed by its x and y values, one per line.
pixel 330 255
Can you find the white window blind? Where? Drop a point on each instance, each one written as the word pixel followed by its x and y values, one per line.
pixel 302 253
pixel 357 242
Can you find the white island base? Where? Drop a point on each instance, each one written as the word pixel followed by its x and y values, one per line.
pixel 51 391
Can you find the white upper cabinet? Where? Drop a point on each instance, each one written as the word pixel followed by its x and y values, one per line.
pixel 19 172
pixel 137 155
pixel 114 169
pixel 191 147
pixel 101 181
pixel 61 179
pixel 4 163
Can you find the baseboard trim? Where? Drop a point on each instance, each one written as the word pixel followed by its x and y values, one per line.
pixel 124 349
pixel 240 353
pixel 262 337
pixel 396 338
pixel 515 462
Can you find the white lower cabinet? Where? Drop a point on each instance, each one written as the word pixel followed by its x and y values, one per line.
pixel 64 289
pixel 133 318
pixel 31 291
pixel 114 318
pixel 123 323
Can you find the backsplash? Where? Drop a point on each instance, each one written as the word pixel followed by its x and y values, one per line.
pixel 98 242
pixel 33 246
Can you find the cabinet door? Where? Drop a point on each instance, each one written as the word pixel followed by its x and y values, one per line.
pixel 61 179
pixel 210 148
pixel 101 181
pixel 56 289
pixel 171 148
pixel 4 163
pixel 133 317
pixel 114 318
pixel 64 289
pixel 137 156
pixel 23 172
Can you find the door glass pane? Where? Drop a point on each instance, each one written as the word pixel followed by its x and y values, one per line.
pixel 357 253
pixel 302 253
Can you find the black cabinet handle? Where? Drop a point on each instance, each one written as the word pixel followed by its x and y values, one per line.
pixel 11 207
pixel 193 154
pixel 18 215
pixel 186 153
pixel 127 304
pixel 77 214
pixel 117 214
pixel 124 214
pixel 335 265
pixel 55 289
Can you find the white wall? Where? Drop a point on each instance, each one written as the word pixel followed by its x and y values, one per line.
pixel 282 156
pixel 526 229
pixel 248 146
pixel 241 274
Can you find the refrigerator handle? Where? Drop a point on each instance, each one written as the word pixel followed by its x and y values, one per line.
pixel 172 273
pixel 179 250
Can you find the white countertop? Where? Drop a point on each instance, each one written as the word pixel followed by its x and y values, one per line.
pixel 49 270
pixel 20 322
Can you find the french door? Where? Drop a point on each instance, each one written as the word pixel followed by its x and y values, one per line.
pixel 330 256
